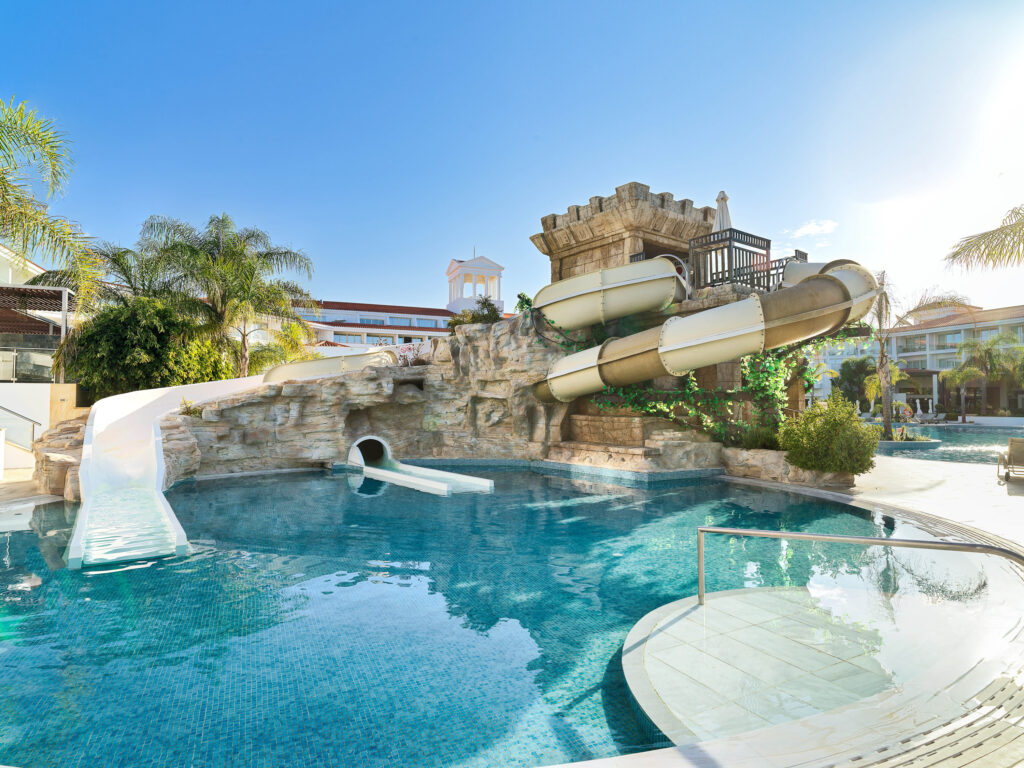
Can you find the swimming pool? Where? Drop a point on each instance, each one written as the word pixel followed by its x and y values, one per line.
pixel 972 444
pixel 318 624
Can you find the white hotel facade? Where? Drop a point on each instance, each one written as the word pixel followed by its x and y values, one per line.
pixel 343 327
pixel 928 346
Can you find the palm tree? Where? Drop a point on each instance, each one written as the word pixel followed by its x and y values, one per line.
pixel 33 150
pixel 234 271
pixel 994 357
pixel 850 380
pixel 287 344
pixel 996 248
pixel 960 377
pixel 873 382
pixel 886 320
pixel 125 273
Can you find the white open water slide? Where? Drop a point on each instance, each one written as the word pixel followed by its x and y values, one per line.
pixel 124 514
pixel 373 456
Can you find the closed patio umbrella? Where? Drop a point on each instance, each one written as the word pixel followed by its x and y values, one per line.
pixel 722 220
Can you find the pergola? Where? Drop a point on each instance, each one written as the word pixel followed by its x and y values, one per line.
pixel 17 302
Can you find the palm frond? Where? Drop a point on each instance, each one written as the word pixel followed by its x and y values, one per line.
pixel 997 248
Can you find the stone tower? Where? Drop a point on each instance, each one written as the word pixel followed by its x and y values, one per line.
pixel 610 231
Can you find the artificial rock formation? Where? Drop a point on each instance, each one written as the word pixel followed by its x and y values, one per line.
pixel 58 452
pixel 473 400
pixel 762 464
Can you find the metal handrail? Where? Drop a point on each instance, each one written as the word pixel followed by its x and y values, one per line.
pixel 867 541
pixel 33 422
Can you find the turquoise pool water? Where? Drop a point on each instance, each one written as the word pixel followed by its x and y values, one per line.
pixel 976 445
pixel 318 624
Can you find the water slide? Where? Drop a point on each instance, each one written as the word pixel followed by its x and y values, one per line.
pixel 372 455
pixel 330 366
pixel 813 300
pixel 124 515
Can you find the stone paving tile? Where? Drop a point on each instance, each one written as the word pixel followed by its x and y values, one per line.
pixel 723 720
pixel 754 662
pixel 784 648
pixel 707 670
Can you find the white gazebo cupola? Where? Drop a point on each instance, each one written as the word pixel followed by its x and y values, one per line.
pixel 469 280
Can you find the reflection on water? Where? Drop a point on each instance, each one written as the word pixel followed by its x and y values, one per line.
pixel 974 445
pixel 318 624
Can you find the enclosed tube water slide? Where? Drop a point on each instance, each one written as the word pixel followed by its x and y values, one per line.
pixel 372 455
pixel 816 299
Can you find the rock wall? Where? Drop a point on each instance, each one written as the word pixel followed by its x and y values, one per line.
pixel 58 452
pixel 772 465
pixel 473 400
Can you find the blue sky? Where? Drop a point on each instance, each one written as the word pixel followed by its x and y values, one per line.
pixel 384 139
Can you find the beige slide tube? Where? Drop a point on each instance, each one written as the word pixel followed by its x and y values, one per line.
pixel 329 366
pixel 820 301
pixel 598 297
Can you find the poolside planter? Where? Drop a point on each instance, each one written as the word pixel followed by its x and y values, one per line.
pixel 887 446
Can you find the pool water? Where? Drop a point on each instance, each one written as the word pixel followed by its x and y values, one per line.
pixel 975 445
pixel 321 624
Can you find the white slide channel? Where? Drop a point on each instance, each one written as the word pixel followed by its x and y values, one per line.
pixel 373 456
pixel 124 515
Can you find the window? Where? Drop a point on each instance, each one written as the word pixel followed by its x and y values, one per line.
pixel 308 315
pixel 411 339
pixel 1018 331
pixel 951 339
pixel 912 344
pixel 919 363
pixel 348 338
pixel 988 333
pixel 422 322
pixel 945 363
pixel 379 340
pixel 399 321
pixel 371 320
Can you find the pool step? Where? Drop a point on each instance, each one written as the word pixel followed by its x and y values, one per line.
pixel 991 734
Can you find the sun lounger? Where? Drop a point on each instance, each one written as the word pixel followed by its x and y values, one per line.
pixel 1011 463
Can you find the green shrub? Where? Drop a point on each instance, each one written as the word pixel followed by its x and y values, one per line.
pixel 760 437
pixel 140 344
pixel 523 303
pixel 829 437
pixel 486 312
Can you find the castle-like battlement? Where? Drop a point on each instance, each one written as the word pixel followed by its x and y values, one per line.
pixel 607 231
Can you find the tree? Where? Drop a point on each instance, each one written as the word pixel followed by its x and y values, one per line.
pixel 994 357
pixel 287 344
pixel 873 382
pixel 235 272
pixel 886 320
pixel 850 381
pixel 996 248
pixel 33 150
pixel 523 303
pixel 960 377
pixel 486 312
pixel 126 273
pixel 141 344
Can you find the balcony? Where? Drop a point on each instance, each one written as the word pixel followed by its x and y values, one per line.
pixel 733 256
